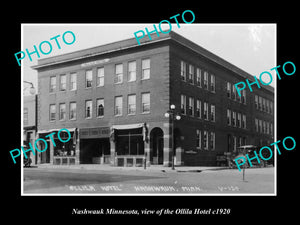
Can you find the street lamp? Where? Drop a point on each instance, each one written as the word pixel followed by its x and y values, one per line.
pixel 32 89
pixel 173 116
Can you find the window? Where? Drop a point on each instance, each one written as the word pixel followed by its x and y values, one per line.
pixel 62 111
pixel 205 140
pixel 212 140
pixel 244 96
pixel 146 103
pixel 260 103
pixel 72 111
pixel 88 78
pixel 260 126
pixel 228 117
pixel 212 83
pixel 244 121
pixel 234 119
pixel 271 128
pixel 239 120
pixel 52 112
pixel 198 108
pixel 73 81
pixel 25 116
pixel 267 128
pixel 256 125
pixel 118 105
pixel 119 74
pixel 198 139
pixel 271 107
pixel 233 92
pixel 100 77
pixel 62 82
pixel 263 105
pixel 212 113
pixel 183 70
pixel 88 109
pixel 183 104
pixel 205 112
pixel 145 69
pixel 234 143
pixel 198 77
pixel 132 71
pixel 264 127
pixel 228 90
pixel 256 101
pixel 191 106
pixel 205 81
pixel 267 106
pixel 191 74
pixel 100 107
pixel 131 104
pixel 52 84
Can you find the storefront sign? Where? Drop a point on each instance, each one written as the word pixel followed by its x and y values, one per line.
pixel 94 62
pixel 99 132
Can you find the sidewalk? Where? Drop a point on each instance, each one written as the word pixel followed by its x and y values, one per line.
pixel 153 168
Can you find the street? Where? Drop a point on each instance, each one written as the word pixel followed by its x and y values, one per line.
pixel 163 181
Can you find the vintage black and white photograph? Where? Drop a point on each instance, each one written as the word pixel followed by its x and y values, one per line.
pixel 148 109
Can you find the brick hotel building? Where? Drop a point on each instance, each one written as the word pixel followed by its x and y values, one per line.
pixel 113 99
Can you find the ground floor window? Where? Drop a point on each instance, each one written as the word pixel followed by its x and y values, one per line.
pixel 129 142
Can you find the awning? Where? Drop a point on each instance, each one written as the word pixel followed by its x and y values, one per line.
pixel 127 126
pixel 54 130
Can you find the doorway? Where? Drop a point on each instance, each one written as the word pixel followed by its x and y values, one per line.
pixel 156 146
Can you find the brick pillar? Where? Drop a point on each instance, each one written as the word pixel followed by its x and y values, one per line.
pixel 112 153
pixel 147 150
pixel 167 145
pixel 77 151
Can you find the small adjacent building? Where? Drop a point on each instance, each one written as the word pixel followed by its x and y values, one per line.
pixel 113 99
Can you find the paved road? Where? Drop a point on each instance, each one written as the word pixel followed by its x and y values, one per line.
pixel 79 181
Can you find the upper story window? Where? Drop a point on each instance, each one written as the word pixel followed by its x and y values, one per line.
pixel 212 83
pixel 52 84
pixel 52 109
pixel 88 78
pixel 131 104
pixel 205 111
pixel 205 80
pixel 72 115
pixel 212 113
pixel 132 71
pixel 145 69
pixel 100 77
pixel 198 108
pixel 118 105
pixel 62 111
pixel 198 77
pixel 191 106
pixel 119 73
pixel 62 82
pixel 146 103
pixel 228 117
pixel 100 107
pixel 25 116
pixel 183 70
pixel 191 74
pixel 88 109
pixel 183 104
pixel 228 89
pixel 73 81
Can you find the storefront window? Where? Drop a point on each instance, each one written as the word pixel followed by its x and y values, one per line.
pixel 130 142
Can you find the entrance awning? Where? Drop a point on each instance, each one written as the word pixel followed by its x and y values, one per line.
pixel 54 130
pixel 127 126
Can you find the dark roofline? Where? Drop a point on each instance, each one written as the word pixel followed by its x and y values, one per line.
pixel 132 43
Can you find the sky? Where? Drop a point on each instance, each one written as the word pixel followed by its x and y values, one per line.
pixel 251 47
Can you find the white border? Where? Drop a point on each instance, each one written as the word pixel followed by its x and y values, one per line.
pixel 156 194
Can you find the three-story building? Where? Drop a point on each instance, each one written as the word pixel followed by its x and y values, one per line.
pixel 113 100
